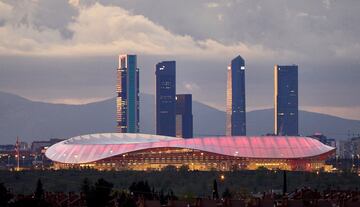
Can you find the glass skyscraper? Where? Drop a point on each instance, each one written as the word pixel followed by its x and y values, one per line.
pixel 235 98
pixel 286 100
pixel 184 117
pixel 165 98
pixel 127 89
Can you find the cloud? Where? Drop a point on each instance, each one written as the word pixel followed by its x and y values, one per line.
pixel 5 11
pixel 327 3
pixel 302 14
pixel 191 86
pixel 75 44
pixel 212 5
pixel 287 32
pixel 259 33
pixel 74 3
pixel 73 101
pixel 108 30
pixel 315 31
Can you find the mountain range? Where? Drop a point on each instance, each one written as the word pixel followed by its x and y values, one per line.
pixel 31 120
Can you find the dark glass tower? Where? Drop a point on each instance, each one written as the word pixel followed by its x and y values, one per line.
pixel 184 117
pixel 165 98
pixel 286 100
pixel 235 98
pixel 127 89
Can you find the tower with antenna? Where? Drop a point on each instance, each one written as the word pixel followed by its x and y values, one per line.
pixel 17 150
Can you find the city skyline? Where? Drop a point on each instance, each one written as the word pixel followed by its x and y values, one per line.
pixel 173 111
pixel 68 58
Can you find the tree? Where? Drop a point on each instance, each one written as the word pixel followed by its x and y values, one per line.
pixel 141 188
pixel 98 194
pixel 86 185
pixel 262 168
pixel 124 200
pixel 162 197
pixel 39 196
pixel 121 199
pixel 39 191
pixel 184 169
pixel 169 168
pixel 171 195
pixel 215 190
pixel 227 194
pixel 5 195
pixel 102 192
pixel 86 190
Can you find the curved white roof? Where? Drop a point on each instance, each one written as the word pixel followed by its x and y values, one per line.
pixel 116 138
pixel 94 147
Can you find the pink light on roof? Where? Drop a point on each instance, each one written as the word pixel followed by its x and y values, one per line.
pixel 276 147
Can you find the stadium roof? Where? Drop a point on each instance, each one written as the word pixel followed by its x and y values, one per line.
pixel 95 147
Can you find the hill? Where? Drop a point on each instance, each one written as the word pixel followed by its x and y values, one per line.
pixel 32 120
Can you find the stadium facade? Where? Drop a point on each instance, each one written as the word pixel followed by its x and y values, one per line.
pixel 128 151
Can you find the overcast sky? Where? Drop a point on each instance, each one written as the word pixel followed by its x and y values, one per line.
pixel 66 51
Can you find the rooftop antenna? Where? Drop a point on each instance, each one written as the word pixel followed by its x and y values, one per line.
pixel 17 149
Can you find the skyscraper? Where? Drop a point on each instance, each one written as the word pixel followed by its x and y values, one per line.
pixel 235 98
pixel 127 89
pixel 165 98
pixel 286 100
pixel 184 117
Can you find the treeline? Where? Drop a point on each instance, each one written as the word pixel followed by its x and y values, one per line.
pixel 99 193
pixel 182 183
pixel 103 193
pixel 37 199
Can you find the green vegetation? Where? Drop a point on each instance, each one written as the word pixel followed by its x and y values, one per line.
pixel 98 194
pixel 5 195
pixel 180 183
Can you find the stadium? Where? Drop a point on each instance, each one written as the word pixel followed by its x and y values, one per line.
pixel 125 151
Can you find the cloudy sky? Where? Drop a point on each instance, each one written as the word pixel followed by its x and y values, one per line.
pixel 66 51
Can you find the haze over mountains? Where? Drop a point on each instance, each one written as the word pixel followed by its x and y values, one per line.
pixel 32 120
